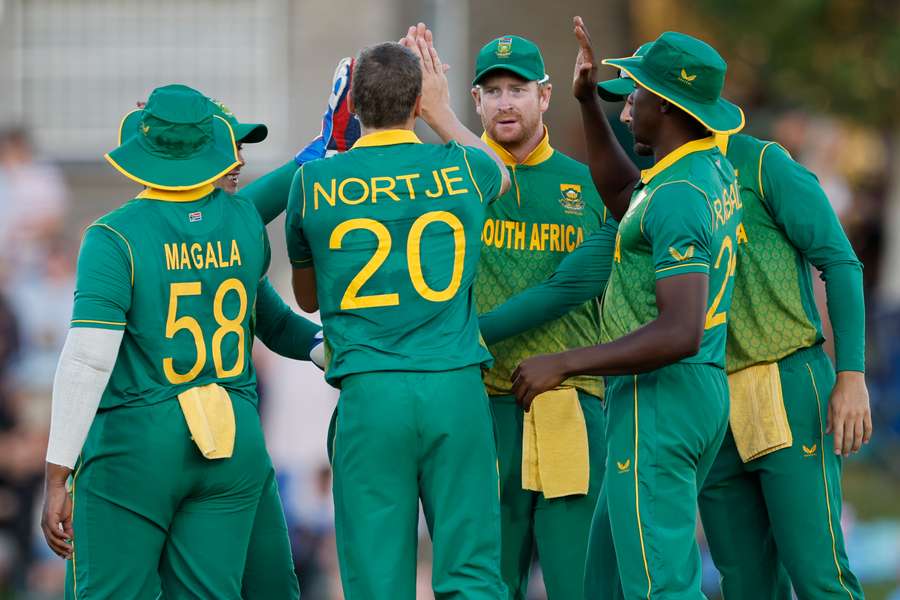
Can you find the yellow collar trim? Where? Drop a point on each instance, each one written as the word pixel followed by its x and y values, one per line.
pixel 542 152
pixel 388 137
pixel 677 154
pixel 171 196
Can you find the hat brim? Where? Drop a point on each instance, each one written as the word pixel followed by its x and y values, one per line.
pixel 721 116
pixel 615 90
pixel 244 133
pixel 524 74
pixel 139 164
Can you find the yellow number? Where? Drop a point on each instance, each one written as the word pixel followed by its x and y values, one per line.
pixel 227 326
pixel 714 318
pixel 414 259
pixel 351 298
pixel 174 325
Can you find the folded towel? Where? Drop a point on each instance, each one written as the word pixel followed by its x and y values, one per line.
pixel 555 457
pixel 759 420
pixel 210 419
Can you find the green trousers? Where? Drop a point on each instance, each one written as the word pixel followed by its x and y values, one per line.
pixel 150 513
pixel 556 528
pixel 664 429
pixel 405 436
pixel 777 519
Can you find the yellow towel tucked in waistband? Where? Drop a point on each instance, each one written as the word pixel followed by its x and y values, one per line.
pixel 759 421
pixel 210 418
pixel 555 446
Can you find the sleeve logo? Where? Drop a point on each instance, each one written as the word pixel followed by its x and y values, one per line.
pixel 689 253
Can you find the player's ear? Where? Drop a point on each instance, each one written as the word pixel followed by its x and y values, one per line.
pixel 544 91
pixel 350 107
pixel 476 96
pixel 417 109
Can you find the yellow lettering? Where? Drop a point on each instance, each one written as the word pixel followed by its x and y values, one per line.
pixel 535 238
pixel 440 187
pixel 222 262
pixel 445 172
pixel 510 232
pixel 185 257
pixel 235 258
pixel 555 243
pixel 171 256
pixel 353 201
pixel 409 186
pixel 197 255
pixel 545 235
pixel 387 190
pixel 211 255
pixel 318 189
pixel 742 234
pixel 617 253
pixel 487 233
pixel 501 234
pixel 717 207
pixel 570 243
pixel 520 235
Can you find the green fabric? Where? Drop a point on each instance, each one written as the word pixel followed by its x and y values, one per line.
pixel 789 225
pixel 406 436
pixel 270 192
pixel 510 53
pixel 269 571
pixel 179 143
pixel 282 330
pixel 557 529
pixel 528 232
pixel 150 511
pixel 689 73
pixel 791 497
pixel 246 133
pixel 615 90
pixel 410 313
pixel 660 449
pixel 580 277
pixel 684 220
pixel 221 256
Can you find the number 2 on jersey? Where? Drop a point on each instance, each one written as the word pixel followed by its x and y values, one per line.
pixel 714 318
pixel 351 298
pixel 226 326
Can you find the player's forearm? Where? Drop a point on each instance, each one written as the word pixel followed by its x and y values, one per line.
pixel 288 334
pixel 85 365
pixel 269 193
pixel 847 312
pixel 303 281
pixel 448 127
pixel 613 173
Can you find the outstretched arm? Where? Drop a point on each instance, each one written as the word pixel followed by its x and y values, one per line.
pixel 278 327
pixel 613 172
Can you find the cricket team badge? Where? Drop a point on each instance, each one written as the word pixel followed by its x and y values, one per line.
pixel 570 198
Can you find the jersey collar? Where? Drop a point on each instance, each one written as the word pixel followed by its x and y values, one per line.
pixel 177 196
pixel 542 152
pixel 675 155
pixel 388 137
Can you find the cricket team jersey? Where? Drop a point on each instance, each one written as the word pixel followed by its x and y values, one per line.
pixel 551 207
pixel 393 228
pixel 683 218
pixel 178 271
pixel 788 223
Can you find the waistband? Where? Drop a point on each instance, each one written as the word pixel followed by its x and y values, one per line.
pixel 804 355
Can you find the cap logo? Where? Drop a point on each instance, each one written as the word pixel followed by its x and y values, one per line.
pixel 688 79
pixel 222 107
pixel 145 129
pixel 504 47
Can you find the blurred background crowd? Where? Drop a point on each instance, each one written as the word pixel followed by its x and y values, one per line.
pixel 819 76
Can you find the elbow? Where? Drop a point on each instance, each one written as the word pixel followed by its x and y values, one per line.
pixel 684 340
pixel 309 305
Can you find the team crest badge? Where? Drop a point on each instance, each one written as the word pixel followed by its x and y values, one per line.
pixel 570 198
pixel 504 47
pixel 222 107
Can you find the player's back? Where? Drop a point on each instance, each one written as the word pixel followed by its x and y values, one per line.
pixel 194 267
pixel 393 229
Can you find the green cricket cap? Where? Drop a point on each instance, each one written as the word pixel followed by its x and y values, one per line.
pixel 690 74
pixel 616 90
pixel 178 142
pixel 511 53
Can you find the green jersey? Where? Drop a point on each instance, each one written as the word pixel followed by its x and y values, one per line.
pixel 392 228
pixel 551 207
pixel 788 224
pixel 178 271
pixel 683 218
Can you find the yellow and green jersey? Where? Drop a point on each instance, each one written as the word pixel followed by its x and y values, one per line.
pixel 392 228
pixel 551 207
pixel 179 273
pixel 789 224
pixel 683 218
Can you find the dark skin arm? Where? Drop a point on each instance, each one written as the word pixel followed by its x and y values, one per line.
pixel 304 284
pixel 613 172
pixel 56 517
pixel 674 335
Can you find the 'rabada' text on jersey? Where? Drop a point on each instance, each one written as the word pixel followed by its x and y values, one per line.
pixel 211 255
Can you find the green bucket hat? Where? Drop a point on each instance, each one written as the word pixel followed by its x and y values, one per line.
pixel 688 73
pixel 616 90
pixel 511 53
pixel 179 142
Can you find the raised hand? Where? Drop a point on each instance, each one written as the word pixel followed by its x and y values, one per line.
pixel 584 81
pixel 435 88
